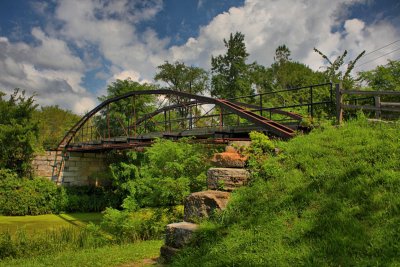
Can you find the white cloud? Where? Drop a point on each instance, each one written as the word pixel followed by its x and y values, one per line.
pixel 109 29
pixel 48 69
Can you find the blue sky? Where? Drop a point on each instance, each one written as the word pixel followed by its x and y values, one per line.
pixel 67 51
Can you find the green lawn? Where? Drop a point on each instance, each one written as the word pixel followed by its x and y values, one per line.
pixel 105 256
pixel 34 224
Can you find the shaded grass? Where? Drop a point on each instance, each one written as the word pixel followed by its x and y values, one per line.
pixel 105 256
pixel 331 198
pixel 42 223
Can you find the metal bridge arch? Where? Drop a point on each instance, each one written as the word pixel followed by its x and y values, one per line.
pixel 234 107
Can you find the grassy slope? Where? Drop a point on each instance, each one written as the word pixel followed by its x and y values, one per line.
pixel 46 222
pixel 105 256
pixel 331 198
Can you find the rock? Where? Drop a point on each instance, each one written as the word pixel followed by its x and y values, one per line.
pixel 226 179
pixel 201 205
pixel 229 160
pixel 179 234
pixel 167 252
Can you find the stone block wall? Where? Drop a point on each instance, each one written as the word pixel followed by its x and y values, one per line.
pixel 42 164
pixel 78 167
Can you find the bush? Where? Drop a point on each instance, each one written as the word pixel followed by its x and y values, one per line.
pixel 21 196
pixel 89 199
pixel 148 223
pixel 167 173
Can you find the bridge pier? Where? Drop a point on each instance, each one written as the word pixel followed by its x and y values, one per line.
pixel 79 167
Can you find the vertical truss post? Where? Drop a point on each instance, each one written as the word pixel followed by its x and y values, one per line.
pixel 311 101
pixel 221 118
pixel 165 121
pixel 134 116
pixel 108 121
pixel 261 105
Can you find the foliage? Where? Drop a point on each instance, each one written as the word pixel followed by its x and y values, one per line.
pixel 89 198
pixel 231 74
pixel 182 78
pixel 53 123
pixel 329 198
pixel 167 174
pixel 149 223
pixel 110 255
pixel 28 196
pixel 18 132
pixel 124 111
pixel 382 78
pixel 333 72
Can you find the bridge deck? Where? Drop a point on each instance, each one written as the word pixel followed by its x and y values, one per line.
pixel 211 135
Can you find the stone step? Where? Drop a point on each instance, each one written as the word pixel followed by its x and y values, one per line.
pixel 201 205
pixel 179 234
pixel 229 159
pixel 226 179
pixel 167 253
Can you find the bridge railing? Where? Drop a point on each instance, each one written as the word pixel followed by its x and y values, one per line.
pixel 308 101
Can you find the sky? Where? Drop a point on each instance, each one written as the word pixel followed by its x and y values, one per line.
pixel 66 52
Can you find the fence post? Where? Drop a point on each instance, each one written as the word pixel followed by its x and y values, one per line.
pixel 378 106
pixel 339 99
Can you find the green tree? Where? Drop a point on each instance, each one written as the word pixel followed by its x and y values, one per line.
pixel 53 123
pixel 182 78
pixel 282 54
pixel 231 74
pixel 18 132
pixel 125 111
pixel 382 78
pixel 333 72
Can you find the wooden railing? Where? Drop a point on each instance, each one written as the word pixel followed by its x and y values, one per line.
pixel 378 106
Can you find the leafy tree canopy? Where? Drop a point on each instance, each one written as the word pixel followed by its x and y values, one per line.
pixel 53 123
pixel 383 78
pixel 18 132
pixel 182 78
pixel 231 73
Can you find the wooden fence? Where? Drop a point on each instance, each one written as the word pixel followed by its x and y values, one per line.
pixel 378 107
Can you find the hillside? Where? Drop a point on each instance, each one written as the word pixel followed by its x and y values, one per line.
pixel 330 198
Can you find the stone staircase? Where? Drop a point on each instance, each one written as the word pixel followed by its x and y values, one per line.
pixel 227 175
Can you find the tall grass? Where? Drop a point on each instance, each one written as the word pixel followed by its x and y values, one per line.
pixel 22 244
pixel 330 198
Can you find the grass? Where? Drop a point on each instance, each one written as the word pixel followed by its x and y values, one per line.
pixel 105 256
pixel 330 198
pixel 41 223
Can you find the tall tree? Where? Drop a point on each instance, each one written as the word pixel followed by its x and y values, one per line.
pixel 53 123
pixel 125 111
pixel 182 78
pixel 282 54
pixel 231 74
pixel 18 132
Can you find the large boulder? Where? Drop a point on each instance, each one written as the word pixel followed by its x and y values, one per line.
pixel 229 159
pixel 179 234
pixel 201 205
pixel 226 179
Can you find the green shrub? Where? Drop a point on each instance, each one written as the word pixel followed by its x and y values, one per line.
pixel 89 198
pixel 144 224
pixel 167 173
pixel 20 196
